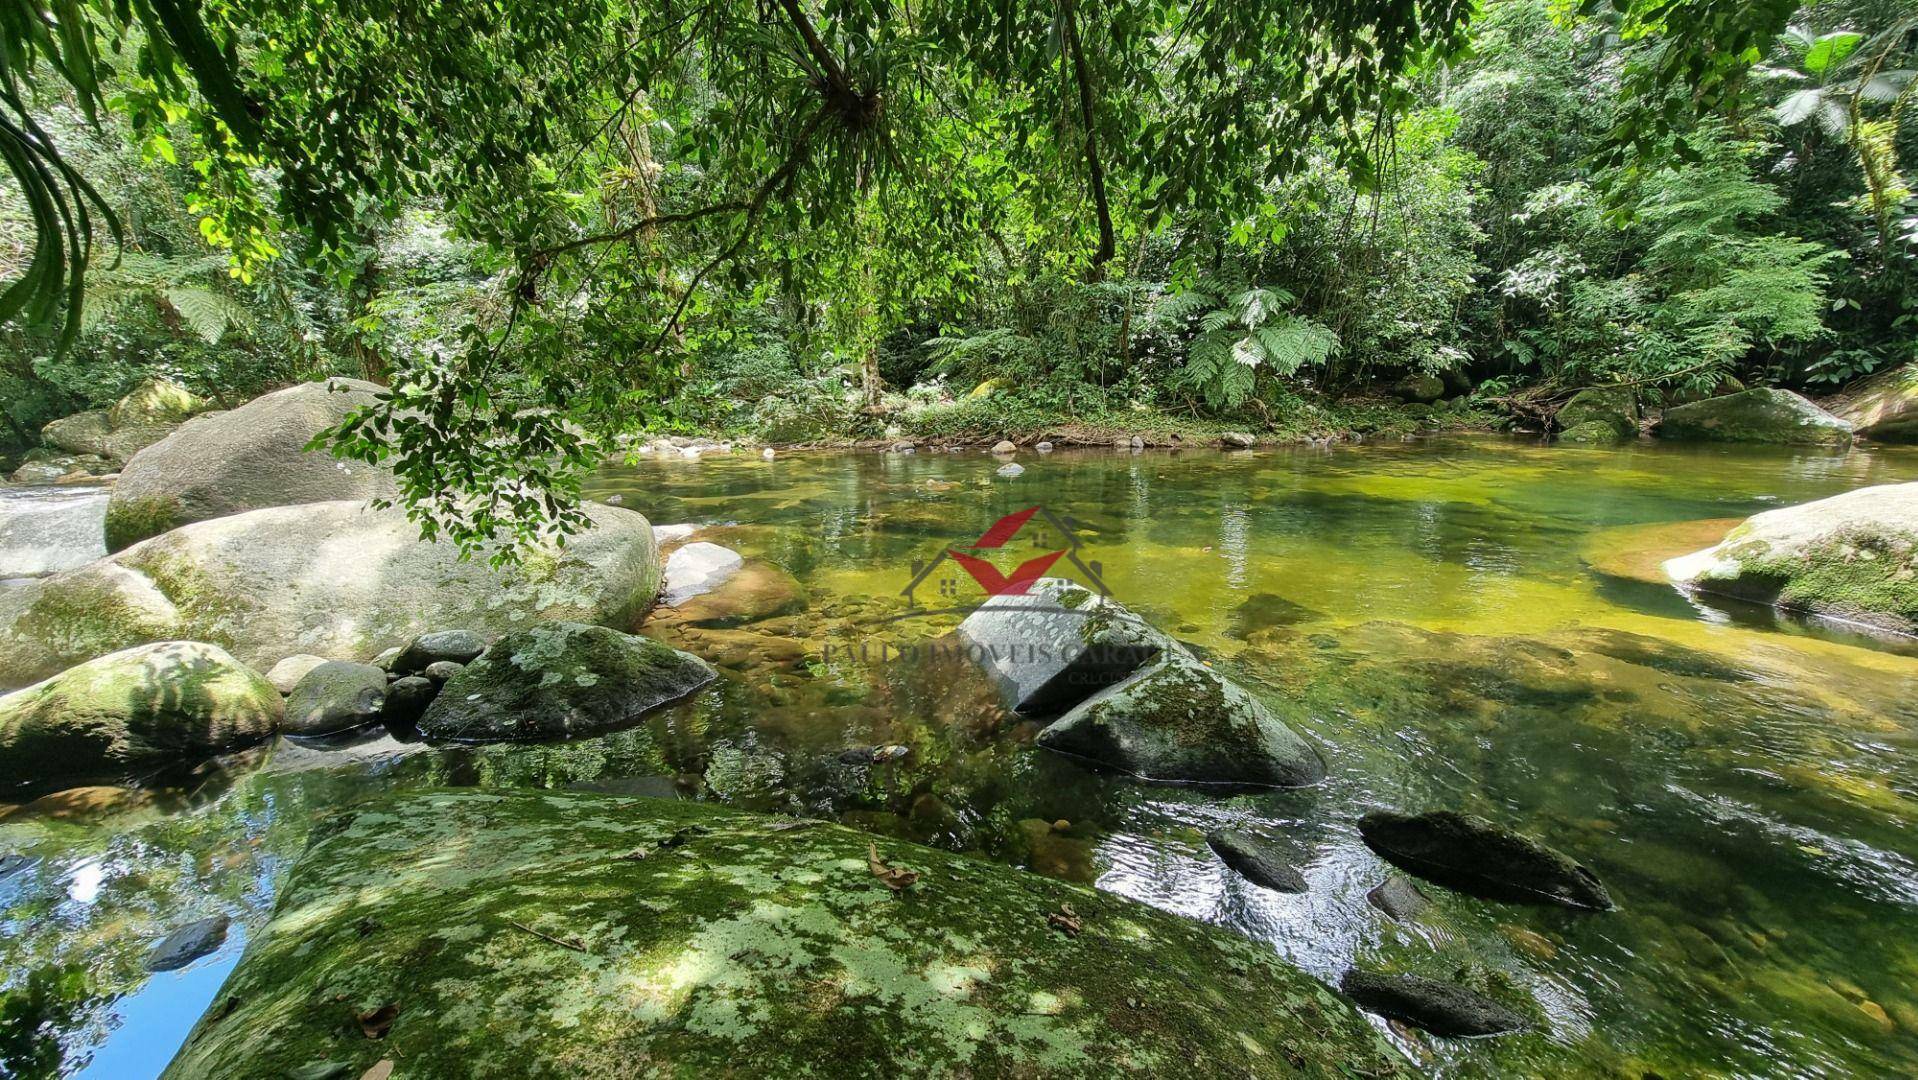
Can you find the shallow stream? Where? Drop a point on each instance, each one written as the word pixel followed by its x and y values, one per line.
pixel 1473 624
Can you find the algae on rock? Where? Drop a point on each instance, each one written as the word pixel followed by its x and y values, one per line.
pixel 577 935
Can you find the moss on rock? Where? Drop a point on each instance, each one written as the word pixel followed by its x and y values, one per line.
pixel 546 934
pixel 1609 409
pixel 1763 415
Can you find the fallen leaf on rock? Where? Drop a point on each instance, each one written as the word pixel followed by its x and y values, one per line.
pixel 375 1022
pixel 380 1071
pixel 1065 920
pixel 896 878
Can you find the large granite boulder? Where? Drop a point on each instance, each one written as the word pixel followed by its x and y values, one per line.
pixel 143 417
pixel 1599 414
pixel 134 711
pixel 244 459
pixel 1763 415
pixel 561 679
pixel 1178 721
pixel 1883 406
pixel 1052 646
pixel 1468 853
pixel 1852 557
pixel 549 934
pixel 333 579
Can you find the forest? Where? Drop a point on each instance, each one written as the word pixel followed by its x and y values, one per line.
pixel 742 220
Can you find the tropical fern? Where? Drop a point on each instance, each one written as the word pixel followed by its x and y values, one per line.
pixel 1249 331
pixel 184 288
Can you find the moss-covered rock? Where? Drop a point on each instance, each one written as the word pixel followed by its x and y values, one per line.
pixel 155 401
pixel 244 459
pixel 1178 721
pixel 561 679
pixel 1469 853
pixel 1422 388
pixel 1883 407
pixel 134 710
pixel 333 579
pixel 577 935
pixel 1762 415
pixel 1609 409
pixel 335 696
pixel 1852 557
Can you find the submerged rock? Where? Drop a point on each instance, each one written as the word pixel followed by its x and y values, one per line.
pixel 335 696
pixel 1473 855
pixel 1052 646
pixel 188 943
pixel 1258 861
pixel 1883 407
pixel 1852 557
pixel 561 679
pixel 134 710
pixel 1399 897
pixel 1441 1008
pixel 572 934
pixel 695 569
pixel 334 579
pixel 247 458
pixel 1178 721
pixel 1011 469
pixel 1763 415
pixel 1592 433
pixel 755 590
pixel 458 646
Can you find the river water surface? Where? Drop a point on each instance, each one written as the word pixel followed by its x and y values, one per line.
pixel 1471 624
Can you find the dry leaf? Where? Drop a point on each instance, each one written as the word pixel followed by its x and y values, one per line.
pixel 375 1022
pixel 896 878
pixel 379 1072
pixel 1065 920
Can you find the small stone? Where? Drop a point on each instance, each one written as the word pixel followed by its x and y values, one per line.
pixel 1011 469
pixel 1138 443
pixel 1005 446
pixel 902 447
pixel 459 646
pixel 1237 440
pixel 1878 1014
pixel 1061 825
pixel 1258 861
pixel 287 674
pixel 614 500
pixel 767 453
pixel 1399 897
pixel 407 698
pixel 384 661
pixel 187 944
pixel 1043 447
pixel 441 670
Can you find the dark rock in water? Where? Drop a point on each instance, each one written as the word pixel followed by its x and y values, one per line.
pixel 1398 897
pixel 459 646
pixel 335 696
pixel 441 670
pixel 187 944
pixel 1178 721
pixel 1258 861
pixel 1441 1008
pixel 407 699
pixel 1056 644
pixel 1265 611
pixel 1473 855
pixel 11 864
pixel 559 679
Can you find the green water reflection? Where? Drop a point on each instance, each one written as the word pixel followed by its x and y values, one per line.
pixel 1456 623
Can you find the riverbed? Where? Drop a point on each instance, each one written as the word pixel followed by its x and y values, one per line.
pixel 1472 624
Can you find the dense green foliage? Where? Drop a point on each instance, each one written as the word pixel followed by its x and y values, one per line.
pixel 546 225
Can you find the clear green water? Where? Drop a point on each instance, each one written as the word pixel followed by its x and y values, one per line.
pixel 1457 624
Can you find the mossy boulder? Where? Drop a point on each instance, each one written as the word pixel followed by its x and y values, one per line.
pixel 244 459
pixel 82 433
pixel 1052 646
pixel 1762 415
pixel 1421 388
pixel 52 623
pixel 1883 406
pixel 1852 557
pixel 561 679
pixel 1610 409
pixel 582 935
pixel 155 401
pixel 333 579
pixel 1178 721
pixel 143 417
pixel 336 696
pixel 133 711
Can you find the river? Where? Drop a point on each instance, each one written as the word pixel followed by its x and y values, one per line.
pixel 1469 623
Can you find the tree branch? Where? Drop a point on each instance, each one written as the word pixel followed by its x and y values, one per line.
pixel 1095 170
